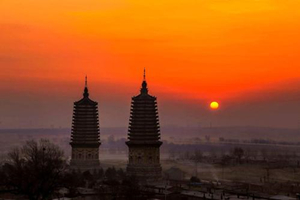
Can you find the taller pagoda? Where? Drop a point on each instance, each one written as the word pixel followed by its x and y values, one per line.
pixel 85 136
pixel 144 137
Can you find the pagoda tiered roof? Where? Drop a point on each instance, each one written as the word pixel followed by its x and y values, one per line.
pixel 85 125
pixel 144 123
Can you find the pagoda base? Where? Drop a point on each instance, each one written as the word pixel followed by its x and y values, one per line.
pixel 145 172
pixel 85 165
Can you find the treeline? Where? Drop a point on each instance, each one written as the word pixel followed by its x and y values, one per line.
pixel 236 156
pixel 258 141
pixel 38 170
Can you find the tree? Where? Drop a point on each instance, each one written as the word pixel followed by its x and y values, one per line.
pixel 87 176
pixel 99 174
pixel 238 153
pixel 196 158
pixel 111 173
pixel 121 174
pixel 73 180
pixel 224 161
pixel 194 179
pixel 264 154
pixel 131 188
pixel 35 170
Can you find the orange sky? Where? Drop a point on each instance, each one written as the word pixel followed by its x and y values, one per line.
pixel 194 50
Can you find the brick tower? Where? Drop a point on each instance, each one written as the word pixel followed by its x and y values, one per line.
pixel 144 137
pixel 85 136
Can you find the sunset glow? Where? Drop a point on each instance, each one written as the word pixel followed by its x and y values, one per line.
pixel 192 50
pixel 231 46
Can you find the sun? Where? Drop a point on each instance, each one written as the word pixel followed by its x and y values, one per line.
pixel 214 105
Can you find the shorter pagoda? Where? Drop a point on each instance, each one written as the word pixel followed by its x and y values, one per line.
pixel 85 136
pixel 144 137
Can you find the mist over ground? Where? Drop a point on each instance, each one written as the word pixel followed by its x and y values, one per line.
pixel 180 138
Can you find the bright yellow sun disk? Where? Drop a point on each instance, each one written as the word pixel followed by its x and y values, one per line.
pixel 214 105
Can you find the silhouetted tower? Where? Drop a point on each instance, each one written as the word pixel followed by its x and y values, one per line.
pixel 85 136
pixel 144 136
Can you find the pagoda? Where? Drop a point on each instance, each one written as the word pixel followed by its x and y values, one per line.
pixel 144 137
pixel 85 136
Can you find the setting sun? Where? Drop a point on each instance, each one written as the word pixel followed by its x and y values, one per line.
pixel 214 105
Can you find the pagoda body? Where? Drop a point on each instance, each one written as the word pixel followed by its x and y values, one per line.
pixel 144 137
pixel 85 136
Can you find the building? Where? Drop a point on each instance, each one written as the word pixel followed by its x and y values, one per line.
pixel 144 137
pixel 85 136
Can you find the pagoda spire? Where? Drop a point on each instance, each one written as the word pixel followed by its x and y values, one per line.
pixel 144 89
pixel 86 91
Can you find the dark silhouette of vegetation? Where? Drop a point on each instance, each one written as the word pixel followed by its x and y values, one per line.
pixel 238 154
pixel 111 173
pixel 36 170
pixel 131 188
pixel 73 180
pixel 194 179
